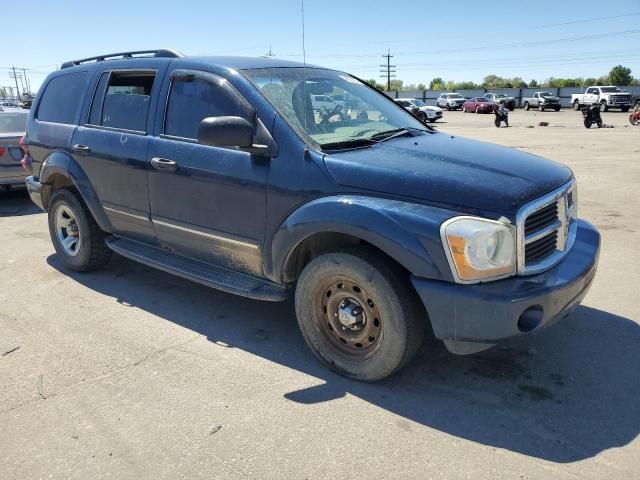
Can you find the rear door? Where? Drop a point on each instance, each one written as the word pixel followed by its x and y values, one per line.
pixel 111 146
pixel 12 128
pixel 206 202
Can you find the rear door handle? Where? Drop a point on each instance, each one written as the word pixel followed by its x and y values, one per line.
pixel 79 148
pixel 163 163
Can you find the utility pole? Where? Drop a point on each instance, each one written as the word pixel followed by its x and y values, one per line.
pixel 26 80
pixel 15 77
pixel 388 70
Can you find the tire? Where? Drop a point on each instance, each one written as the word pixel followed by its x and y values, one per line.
pixel 540 108
pixel 576 105
pixel 89 251
pixel 557 109
pixel 625 109
pixel 477 110
pixel 448 108
pixel 394 320
pixel 497 122
pixel 526 106
pixel 587 123
pixel 603 107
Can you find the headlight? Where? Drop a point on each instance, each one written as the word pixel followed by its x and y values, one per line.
pixel 479 249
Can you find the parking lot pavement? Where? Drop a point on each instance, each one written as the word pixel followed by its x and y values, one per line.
pixel 133 373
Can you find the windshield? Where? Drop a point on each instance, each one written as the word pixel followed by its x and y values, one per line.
pixel 419 103
pixel 455 95
pixel 367 117
pixel 499 95
pixel 545 94
pixel 13 122
pixel 610 89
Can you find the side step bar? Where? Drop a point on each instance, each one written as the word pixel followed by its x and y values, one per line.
pixel 199 272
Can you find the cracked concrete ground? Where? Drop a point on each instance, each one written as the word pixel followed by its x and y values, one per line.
pixel 133 373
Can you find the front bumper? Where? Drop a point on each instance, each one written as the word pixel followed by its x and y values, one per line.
pixel 35 191
pixel 488 313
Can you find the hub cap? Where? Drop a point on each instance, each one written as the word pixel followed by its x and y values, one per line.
pixel 67 230
pixel 348 317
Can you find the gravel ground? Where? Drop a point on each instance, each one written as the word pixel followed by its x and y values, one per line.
pixel 133 373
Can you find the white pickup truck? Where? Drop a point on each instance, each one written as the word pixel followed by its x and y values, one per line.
pixel 608 97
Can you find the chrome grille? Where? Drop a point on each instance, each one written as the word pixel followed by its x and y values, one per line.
pixel 621 98
pixel 546 230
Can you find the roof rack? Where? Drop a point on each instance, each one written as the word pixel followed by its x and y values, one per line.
pixel 161 53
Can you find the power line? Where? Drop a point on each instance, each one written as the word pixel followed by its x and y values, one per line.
pixel 595 19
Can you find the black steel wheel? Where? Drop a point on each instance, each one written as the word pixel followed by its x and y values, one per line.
pixel 358 314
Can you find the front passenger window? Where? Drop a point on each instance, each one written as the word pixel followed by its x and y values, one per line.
pixel 191 100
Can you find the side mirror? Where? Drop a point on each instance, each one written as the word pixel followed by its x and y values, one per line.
pixel 229 132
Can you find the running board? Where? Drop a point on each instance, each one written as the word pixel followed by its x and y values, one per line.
pixel 199 272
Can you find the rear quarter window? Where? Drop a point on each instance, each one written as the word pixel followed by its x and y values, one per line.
pixel 61 98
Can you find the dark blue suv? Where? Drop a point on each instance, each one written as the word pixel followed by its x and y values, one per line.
pixel 226 171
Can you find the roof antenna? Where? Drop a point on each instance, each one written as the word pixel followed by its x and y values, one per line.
pixel 304 69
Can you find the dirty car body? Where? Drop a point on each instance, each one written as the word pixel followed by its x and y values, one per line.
pixel 486 237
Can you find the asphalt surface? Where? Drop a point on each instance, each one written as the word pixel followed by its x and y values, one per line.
pixel 134 373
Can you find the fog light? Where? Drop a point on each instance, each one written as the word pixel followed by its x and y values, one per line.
pixel 530 318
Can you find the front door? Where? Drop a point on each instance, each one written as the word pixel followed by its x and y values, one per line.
pixel 206 202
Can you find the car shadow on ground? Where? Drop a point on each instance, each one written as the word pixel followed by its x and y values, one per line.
pixel 563 396
pixel 16 202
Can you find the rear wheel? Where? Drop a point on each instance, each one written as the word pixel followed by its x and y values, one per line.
pixel 77 238
pixel 587 123
pixel 526 106
pixel 576 105
pixel 497 122
pixel 358 314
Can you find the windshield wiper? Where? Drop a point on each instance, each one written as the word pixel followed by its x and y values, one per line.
pixel 351 143
pixel 395 133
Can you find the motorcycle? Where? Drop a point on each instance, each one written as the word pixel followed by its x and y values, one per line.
pixel 502 115
pixel 591 115
pixel 634 118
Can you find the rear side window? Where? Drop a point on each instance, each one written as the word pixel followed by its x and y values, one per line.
pixel 61 98
pixel 122 100
pixel 190 101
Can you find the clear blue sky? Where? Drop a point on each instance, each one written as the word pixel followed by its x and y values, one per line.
pixel 463 40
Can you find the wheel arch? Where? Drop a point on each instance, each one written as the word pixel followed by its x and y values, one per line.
pixel 59 170
pixel 409 234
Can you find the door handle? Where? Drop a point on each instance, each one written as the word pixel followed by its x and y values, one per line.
pixel 79 148
pixel 163 163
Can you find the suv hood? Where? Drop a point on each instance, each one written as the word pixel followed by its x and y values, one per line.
pixel 447 170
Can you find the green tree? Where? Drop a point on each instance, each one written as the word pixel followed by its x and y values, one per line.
pixel 533 83
pixel 466 86
pixel 620 75
pixel 589 81
pixel 396 84
pixel 422 86
pixel 436 84
pixel 375 84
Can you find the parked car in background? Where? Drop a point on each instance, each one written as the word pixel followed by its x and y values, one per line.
pixel 608 97
pixel 450 101
pixel 13 124
pixel 379 226
pixel 543 101
pixel 478 105
pixel 327 102
pixel 509 102
pixel 426 113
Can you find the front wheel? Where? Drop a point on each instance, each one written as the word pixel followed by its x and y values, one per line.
pixel 603 107
pixel 587 123
pixel 557 108
pixel 540 108
pixel 497 122
pixel 625 109
pixel 576 105
pixel 526 106
pixel 358 314
pixel 76 237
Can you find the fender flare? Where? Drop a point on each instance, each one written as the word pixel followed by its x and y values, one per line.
pixel 60 163
pixel 407 232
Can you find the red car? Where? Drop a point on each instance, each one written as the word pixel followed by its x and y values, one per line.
pixel 478 105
